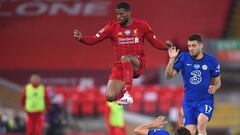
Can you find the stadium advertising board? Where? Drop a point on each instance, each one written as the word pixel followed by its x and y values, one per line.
pixel 228 50
pixel 37 8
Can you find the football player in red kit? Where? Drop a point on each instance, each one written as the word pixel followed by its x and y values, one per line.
pixel 127 34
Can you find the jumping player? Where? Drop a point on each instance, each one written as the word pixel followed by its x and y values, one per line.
pixel 201 77
pixel 127 34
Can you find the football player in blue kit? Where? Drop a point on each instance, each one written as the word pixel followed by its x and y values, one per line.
pixel 154 128
pixel 201 77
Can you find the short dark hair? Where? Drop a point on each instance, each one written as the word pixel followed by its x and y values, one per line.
pixel 124 5
pixel 182 131
pixel 195 36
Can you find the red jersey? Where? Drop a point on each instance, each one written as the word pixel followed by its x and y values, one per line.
pixel 127 40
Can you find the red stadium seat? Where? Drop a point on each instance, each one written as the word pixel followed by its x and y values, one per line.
pixel 165 98
pixel 178 99
pixel 101 103
pixel 150 99
pixel 62 90
pixel 75 100
pixel 89 100
pixel 137 94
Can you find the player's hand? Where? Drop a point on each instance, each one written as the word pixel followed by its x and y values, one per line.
pixel 159 122
pixel 169 44
pixel 173 52
pixel 78 35
pixel 212 89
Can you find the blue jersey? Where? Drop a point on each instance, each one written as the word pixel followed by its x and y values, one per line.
pixel 158 132
pixel 197 75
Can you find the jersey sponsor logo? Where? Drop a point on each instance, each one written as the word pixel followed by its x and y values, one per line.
pixel 128 40
pixel 196 77
pixel 127 32
pixel 196 66
pixel 204 67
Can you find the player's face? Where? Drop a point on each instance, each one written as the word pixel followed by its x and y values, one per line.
pixel 122 16
pixel 35 79
pixel 195 48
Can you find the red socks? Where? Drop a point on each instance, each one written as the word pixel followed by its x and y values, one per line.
pixel 128 74
pixel 127 77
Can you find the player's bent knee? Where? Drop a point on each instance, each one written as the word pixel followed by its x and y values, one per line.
pixel 125 58
pixel 110 97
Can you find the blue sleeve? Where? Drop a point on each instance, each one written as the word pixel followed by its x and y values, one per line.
pixel 215 71
pixel 179 62
pixel 158 132
pixel 151 132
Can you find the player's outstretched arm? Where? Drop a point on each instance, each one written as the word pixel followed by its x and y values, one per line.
pixel 89 40
pixel 77 34
pixel 170 71
pixel 157 43
pixel 144 128
pixel 153 40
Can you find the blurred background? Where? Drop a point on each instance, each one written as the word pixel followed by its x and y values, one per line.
pixel 36 36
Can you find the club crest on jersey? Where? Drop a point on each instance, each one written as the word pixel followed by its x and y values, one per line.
pixel 196 66
pixel 119 33
pixel 204 67
pixel 127 32
pixel 135 32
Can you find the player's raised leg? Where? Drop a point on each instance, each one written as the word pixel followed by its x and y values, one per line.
pixel 121 80
pixel 130 65
pixel 116 92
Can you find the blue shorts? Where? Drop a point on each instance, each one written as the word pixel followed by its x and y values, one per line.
pixel 191 111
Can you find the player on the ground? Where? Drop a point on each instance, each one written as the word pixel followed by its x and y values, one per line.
pixel 154 128
pixel 201 77
pixel 127 34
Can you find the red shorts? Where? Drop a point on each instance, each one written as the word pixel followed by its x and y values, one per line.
pixel 117 69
